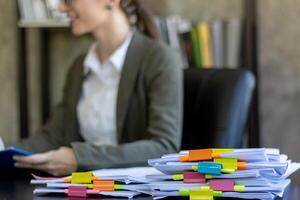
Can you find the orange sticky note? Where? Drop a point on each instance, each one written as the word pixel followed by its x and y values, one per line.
pixel 242 165
pixel 104 185
pixel 67 180
pixel 198 155
pixel 184 158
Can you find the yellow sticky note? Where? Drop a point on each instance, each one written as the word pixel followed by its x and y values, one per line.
pixel 201 194
pixel 222 150
pixel 82 177
pixel 227 163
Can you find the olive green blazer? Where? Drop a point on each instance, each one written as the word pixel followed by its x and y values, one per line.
pixel 149 111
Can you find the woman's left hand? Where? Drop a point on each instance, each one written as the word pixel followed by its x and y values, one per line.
pixel 58 162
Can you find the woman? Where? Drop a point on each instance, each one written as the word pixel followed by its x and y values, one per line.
pixel 122 101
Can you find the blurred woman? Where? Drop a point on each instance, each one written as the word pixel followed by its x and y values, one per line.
pixel 122 101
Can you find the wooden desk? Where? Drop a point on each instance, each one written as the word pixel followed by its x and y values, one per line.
pixel 20 189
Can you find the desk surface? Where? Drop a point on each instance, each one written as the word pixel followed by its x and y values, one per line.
pixel 22 190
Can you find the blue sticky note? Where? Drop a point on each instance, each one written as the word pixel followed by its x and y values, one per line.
pixel 6 157
pixel 209 168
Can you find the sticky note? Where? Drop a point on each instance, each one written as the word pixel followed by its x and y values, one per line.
pixel 89 185
pixel 195 168
pixel 223 150
pixel 208 176
pixel 218 194
pixel 199 155
pixel 222 185
pixel 227 163
pixel 201 194
pixel 104 185
pixel 67 180
pixel 119 187
pixel 209 168
pixel 193 177
pixel 77 191
pixel 184 158
pixel 206 187
pixel 227 171
pixel 82 177
pixel 184 193
pixel 239 188
pixel 217 153
pixel 177 177
pixel 242 165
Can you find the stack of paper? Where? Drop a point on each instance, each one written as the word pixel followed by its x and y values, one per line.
pixel 126 182
pixel 208 173
pixel 197 174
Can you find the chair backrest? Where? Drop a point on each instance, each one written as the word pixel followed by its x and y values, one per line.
pixel 216 104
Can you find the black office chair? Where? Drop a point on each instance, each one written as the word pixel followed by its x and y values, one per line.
pixel 216 104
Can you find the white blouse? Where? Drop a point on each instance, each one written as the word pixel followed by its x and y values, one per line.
pixel 96 109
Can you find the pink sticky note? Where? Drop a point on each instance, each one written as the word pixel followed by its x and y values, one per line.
pixel 222 185
pixel 77 191
pixel 193 177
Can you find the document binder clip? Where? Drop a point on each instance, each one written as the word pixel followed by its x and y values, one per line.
pixel 77 191
pixel 209 168
pixel 104 185
pixel 222 185
pixel 82 177
pixel 193 177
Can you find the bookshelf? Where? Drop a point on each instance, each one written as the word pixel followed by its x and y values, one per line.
pixel 44 27
pixel 42 24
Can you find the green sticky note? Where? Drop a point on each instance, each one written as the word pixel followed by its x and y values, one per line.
pixel 208 176
pixel 205 187
pixel 89 185
pixel 184 193
pixel 195 168
pixel 119 187
pixel 177 177
pixel 82 177
pixel 239 188
pixel 218 194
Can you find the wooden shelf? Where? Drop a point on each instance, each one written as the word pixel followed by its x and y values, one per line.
pixel 43 24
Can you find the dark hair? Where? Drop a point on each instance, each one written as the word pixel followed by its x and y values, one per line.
pixel 140 17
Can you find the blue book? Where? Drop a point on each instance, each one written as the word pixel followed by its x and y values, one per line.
pixel 6 157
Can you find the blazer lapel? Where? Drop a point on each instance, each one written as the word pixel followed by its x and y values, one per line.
pixel 79 78
pixel 132 63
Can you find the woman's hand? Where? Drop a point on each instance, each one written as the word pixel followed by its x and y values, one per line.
pixel 58 162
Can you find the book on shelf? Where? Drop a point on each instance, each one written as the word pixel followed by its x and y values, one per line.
pixel 204 44
pixel 218 43
pixel 233 40
pixel 41 11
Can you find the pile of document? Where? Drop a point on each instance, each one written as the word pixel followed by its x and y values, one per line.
pixel 197 174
